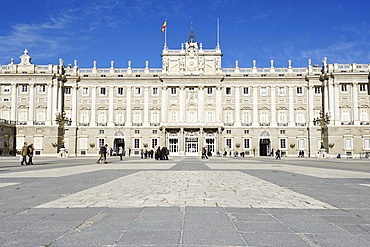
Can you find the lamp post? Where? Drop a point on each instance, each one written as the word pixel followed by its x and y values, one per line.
pixel 62 120
pixel 323 121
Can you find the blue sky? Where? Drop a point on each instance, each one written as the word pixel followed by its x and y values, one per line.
pixel 123 30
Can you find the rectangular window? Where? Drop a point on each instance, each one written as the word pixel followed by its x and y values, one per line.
pixel 299 90
pixel 263 91
pixel 100 142
pixel 344 87
pixel 317 90
pixel 154 131
pixel 228 90
pixel 6 88
pixel 137 90
pixel 191 89
pixel 246 143
pixel 67 90
pixel 301 144
pixel 85 91
pixel 137 131
pixel 281 91
pixel 367 144
pixel 154 143
pixel 228 142
pixel 120 91
pixel 348 144
pixel 363 87
pixel 136 143
pixel 173 90
pixel 282 143
pixel 228 131
pixel 102 91
pixel 101 131
pixel 245 90
pixel 155 91
pixel 42 89
pixel 282 132
pixel 24 88
pixel 209 90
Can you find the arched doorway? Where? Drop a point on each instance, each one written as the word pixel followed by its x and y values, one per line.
pixel 119 140
pixel 265 144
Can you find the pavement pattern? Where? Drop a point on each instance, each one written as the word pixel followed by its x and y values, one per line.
pixel 185 201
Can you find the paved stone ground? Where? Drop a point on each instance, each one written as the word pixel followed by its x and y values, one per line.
pixel 185 201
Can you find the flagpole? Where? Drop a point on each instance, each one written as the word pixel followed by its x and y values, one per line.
pixel 218 33
pixel 165 36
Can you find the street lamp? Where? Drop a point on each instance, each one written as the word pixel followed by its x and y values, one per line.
pixel 323 120
pixel 62 120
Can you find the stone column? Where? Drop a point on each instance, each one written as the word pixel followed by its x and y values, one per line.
pixel 111 107
pixel 31 107
pixel 237 107
pixel 182 116
pixel 336 106
pixel 93 106
pixel 310 106
pixel 60 96
pixel 55 99
pixel 49 115
pixel 331 98
pixel 201 104
pixel 14 110
pixel 355 116
pixel 128 108
pixel 164 107
pixel 74 106
pixel 181 142
pixel 146 106
pixel 255 106
pixel 219 141
pixel 291 106
pixel 273 106
pixel 325 91
pixel 218 100
pixel 201 140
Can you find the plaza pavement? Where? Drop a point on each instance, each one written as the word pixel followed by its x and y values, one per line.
pixel 185 201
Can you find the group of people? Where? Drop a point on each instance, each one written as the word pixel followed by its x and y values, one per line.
pixel 27 152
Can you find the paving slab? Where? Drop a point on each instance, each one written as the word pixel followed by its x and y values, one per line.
pixel 185 201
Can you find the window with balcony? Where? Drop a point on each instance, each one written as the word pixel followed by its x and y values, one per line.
pixel 246 143
pixel 281 91
pixel 24 89
pixel 42 88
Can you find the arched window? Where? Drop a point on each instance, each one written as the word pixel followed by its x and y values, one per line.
pixel 229 117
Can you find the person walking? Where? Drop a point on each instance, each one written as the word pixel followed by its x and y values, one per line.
pixel 103 153
pixel 30 154
pixel 24 153
pixel 278 154
pixel 120 152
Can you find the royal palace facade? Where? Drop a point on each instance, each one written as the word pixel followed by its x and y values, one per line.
pixel 189 103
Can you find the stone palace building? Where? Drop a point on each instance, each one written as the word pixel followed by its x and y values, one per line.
pixel 189 103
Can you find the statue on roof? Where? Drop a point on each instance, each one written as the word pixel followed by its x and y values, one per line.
pixel 25 58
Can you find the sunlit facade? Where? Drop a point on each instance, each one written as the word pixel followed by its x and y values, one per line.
pixel 189 103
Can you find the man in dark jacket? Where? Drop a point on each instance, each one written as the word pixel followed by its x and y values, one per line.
pixel 103 154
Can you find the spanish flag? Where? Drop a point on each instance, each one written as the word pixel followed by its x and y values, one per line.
pixel 164 26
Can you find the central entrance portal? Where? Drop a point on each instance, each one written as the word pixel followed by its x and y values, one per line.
pixel 191 143
pixel 191 146
pixel 264 147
